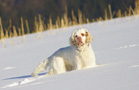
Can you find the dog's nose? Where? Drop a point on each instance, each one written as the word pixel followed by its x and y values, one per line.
pixel 79 39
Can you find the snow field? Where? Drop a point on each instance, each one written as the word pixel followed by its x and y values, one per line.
pixel 116 46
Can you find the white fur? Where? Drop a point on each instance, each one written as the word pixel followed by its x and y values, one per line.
pixel 74 57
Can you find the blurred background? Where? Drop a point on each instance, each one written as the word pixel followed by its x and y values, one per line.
pixel 11 11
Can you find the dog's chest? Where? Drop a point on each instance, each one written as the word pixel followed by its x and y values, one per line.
pixel 82 55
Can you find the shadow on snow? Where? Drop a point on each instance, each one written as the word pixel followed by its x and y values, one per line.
pixel 22 77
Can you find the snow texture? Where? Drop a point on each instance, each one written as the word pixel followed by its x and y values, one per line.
pixel 116 46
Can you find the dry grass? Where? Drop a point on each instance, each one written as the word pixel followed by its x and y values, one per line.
pixel 27 26
pixel 110 11
pixel 65 21
pixel 2 35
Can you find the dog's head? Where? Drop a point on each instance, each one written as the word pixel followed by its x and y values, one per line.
pixel 80 37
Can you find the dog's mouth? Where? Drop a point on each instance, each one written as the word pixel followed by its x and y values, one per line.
pixel 80 43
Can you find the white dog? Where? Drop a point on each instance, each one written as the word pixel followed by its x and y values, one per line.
pixel 77 56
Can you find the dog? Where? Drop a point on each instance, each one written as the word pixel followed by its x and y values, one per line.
pixel 77 56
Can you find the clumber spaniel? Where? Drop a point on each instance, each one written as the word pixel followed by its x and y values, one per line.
pixel 77 56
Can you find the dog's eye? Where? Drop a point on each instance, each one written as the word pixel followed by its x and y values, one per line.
pixel 75 35
pixel 82 34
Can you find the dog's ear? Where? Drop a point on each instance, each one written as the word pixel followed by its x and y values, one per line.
pixel 89 37
pixel 72 39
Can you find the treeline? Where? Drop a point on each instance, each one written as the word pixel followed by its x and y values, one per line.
pixel 11 11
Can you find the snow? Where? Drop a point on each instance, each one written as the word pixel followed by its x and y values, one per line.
pixel 116 46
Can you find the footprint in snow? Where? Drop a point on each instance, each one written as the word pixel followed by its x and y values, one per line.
pixel 127 46
pixel 9 68
pixel 134 66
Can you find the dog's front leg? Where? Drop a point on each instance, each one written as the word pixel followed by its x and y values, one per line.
pixel 40 68
pixel 78 64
